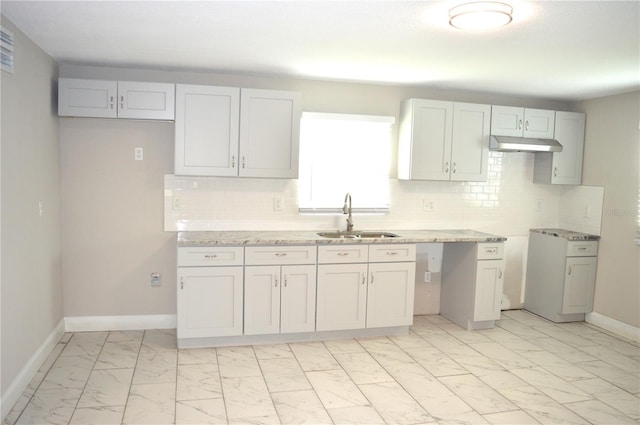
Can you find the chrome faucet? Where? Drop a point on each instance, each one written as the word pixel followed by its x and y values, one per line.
pixel 346 209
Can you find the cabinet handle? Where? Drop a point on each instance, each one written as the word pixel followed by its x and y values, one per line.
pixel 275 278
pixel 181 283
pixel 569 272
pixel 454 168
pixel 555 171
pixel 211 256
pixel 499 273
pixel 111 102
pixel 343 254
pixel 121 102
pixel 281 254
pixel 519 124
pixel 526 126
pixel 446 167
pixel 243 162
pixel 392 253
pixel 491 250
pixel 364 277
pixel 372 278
pixel 233 161
pixel 285 281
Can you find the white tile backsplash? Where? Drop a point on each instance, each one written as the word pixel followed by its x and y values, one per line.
pixel 506 204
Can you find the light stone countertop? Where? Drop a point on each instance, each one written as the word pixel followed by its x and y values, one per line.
pixel 292 237
pixel 567 234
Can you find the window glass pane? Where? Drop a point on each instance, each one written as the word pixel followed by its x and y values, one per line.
pixel 344 153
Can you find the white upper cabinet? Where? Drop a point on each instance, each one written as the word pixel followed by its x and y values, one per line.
pixel 115 99
pixel 227 131
pixel 206 130
pixel 269 133
pixel 443 140
pixel 522 122
pixel 563 167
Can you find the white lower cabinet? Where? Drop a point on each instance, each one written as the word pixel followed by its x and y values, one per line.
pixel 279 289
pixel 472 283
pixel 209 301
pixel 365 294
pixel 279 299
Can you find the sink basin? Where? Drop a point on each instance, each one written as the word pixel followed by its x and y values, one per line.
pixel 357 235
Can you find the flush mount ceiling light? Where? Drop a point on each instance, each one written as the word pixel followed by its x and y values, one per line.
pixel 483 15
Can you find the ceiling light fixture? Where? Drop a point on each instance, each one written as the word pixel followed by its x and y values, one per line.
pixel 483 15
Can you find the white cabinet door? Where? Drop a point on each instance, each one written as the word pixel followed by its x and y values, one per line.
pixel 87 98
pixel 390 294
pixel 269 133
pixel 567 165
pixel 262 300
pixel 507 121
pixel 539 123
pixel 488 290
pixel 342 297
pixel 521 122
pixel 470 141
pixel 298 299
pixel 206 130
pixel 424 151
pixel 579 285
pixel 209 301
pixel 151 101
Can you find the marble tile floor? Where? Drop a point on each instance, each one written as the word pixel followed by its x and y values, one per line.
pixel 525 371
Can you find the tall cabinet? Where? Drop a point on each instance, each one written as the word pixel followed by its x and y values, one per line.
pixel 228 131
pixel 443 140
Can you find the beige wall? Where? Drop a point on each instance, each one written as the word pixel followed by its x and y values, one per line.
pixel 31 285
pixel 612 160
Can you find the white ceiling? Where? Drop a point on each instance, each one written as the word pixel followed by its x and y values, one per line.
pixel 563 50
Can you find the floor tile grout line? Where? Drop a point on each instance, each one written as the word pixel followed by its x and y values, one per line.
pixel 126 402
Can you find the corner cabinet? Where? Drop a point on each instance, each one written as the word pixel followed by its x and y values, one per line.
pixel 443 140
pixel 210 292
pixel 472 284
pixel 228 131
pixel 563 167
pixel 115 99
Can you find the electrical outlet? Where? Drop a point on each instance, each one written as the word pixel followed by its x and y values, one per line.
pixel 177 204
pixel 277 203
pixel 156 278
pixel 427 205
pixel 427 277
pixel 587 211
pixel 538 205
pixel 138 154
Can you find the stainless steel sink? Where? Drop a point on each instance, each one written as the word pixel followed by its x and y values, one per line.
pixel 354 234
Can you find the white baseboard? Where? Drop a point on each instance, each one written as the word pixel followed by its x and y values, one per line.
pixel 20 383
pixel 119 323
pixel 613 325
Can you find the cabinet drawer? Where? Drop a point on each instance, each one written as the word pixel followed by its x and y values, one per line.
pixel 392 252
pixel 582 248
pixel 273 255
pixel 332 254
pixel 210 256
pixel 490 251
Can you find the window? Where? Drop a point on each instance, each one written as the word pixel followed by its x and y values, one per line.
pixel 344 153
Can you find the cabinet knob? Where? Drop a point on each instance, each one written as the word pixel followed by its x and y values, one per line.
pixel 364 277
pixel 569 272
